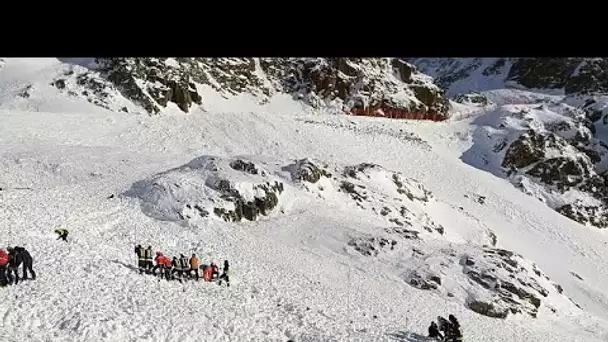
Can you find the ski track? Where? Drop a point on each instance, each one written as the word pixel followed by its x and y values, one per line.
pixel 288 278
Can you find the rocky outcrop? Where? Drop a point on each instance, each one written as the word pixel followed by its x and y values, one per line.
pixel 371 246
pixel 472 98
pixel 581 76
pixel 564 156
pixel 153 83
pixel 424 282
pixel 490 281
pixel 231 190
pixel 408 196
pixel 487 309
pixel 305 170
pixel 556 160
pixel 543 73
pixel 529 148
pixel 501 273
pixel 250 210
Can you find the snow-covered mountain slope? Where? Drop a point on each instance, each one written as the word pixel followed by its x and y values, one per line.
pixel 164 85
pixel 556 75
pixel 552 147
pixel 376 228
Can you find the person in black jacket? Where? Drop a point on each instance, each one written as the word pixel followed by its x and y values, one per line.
pixel 443 325
pixel 13 263
pixel 141 259
pixel 148 259
pixel 17 256
pixel 434 331
pixel 63 234
pixel 453 334
pixel 224 275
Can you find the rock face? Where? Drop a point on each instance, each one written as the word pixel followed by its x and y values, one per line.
pixel 501 273
pixel 553 149
pixel 153 83
pixel 402 204
pixel 564 157
pixel 472 98
pixel 573 75
pixel 150 82
pixel 490 281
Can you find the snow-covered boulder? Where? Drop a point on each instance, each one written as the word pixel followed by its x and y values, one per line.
pixel 490 281
pixel 232 190
pixel 399 200
pixel 306 170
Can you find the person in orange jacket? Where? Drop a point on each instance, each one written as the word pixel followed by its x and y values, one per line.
pixel 194 266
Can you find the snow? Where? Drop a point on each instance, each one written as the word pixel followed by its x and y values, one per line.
pixel 172 62
pixel 293 275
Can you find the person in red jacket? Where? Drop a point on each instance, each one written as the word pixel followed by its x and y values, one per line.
pixel 164 263
pixel 3 267
pixel 207 273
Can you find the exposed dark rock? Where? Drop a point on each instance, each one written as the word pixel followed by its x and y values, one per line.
pixel 353 171
pixel 544 73
pixel 405 69
pixel 371 246
pixel 349 188
pixel 474 98
pixel 244 166
pixel 424 196
pixel 429 282
pixel 576 275
pixel 559 171
pixel 60 84
pixel 513 291
pixel 487 309
pixel 585 214
pixel 154 82
pixel 250 210
pixel 307 171
pixel 494 238
pixel 404 233
pixel 527 149
pixel 25 92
